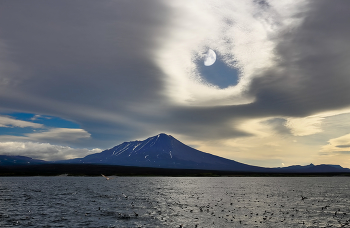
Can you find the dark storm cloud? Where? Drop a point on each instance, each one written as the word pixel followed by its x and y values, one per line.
pixel 312 73
pixel 84 52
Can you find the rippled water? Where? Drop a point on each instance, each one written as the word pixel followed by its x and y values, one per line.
pixel 174 201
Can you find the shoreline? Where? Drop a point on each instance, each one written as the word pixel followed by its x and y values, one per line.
pixel 91 170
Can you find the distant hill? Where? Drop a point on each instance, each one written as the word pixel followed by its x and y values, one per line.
pixel 7 160
pixel 323 168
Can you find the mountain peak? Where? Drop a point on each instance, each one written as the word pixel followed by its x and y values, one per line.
pixel 162 150
pixel 163 135
pixel 165 151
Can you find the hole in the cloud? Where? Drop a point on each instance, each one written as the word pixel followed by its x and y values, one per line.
pixel 218 74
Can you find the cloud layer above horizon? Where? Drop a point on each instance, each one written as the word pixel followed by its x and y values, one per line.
pixel 124 70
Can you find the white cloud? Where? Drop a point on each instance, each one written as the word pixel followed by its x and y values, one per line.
pixel 311 124
pixel 44 151
pixel 6 121
pixel 60 134
pixel 241 31
pixel 257 127
pixel 35 117
pixel 340 144
pixel 305 126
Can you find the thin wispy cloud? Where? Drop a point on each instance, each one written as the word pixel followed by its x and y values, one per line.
pixel 6 121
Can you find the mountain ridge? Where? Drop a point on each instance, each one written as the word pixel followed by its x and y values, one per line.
pixel 165 151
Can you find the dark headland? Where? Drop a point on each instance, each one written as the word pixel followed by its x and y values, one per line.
pixel 113 170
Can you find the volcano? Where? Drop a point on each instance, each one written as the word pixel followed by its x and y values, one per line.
pixel 164 151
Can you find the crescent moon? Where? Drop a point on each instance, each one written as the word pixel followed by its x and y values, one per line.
pixel 210 58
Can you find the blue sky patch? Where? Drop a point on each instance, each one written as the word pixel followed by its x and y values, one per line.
pixel 48 121
pixel 17 131
pixel 219 73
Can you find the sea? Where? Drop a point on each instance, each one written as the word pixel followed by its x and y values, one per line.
pixel 66 201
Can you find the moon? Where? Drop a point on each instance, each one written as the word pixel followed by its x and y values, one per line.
pixel 210 58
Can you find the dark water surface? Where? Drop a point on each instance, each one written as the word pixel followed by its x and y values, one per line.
pixel 174 201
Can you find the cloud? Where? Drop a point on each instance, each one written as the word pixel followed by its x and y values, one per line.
pixel 257 127
pixel 337 145
pixel 336 151
pixel 61 135
pixel 44 151
pixel 241 32
pixel 343 152
pixel 81 63
pixel 311 70
pixel 304 126
pixel 312 124
pixel 343 146
pixel 35 117
pixel 6 121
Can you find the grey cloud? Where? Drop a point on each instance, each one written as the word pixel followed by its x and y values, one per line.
pixel 334 152
pixel 83 60
pixel 74 57
pixel 343 152
pixel 343 146
pixel 312 72
pixel 311 75
pixel 86 52
pixel 279 125
pixel 91 59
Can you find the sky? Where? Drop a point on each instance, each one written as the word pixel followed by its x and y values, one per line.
pixel 79 77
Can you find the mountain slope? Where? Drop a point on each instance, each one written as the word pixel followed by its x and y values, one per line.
pixel 163 151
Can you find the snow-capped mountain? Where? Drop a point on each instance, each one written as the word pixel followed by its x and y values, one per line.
pixel 163 151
